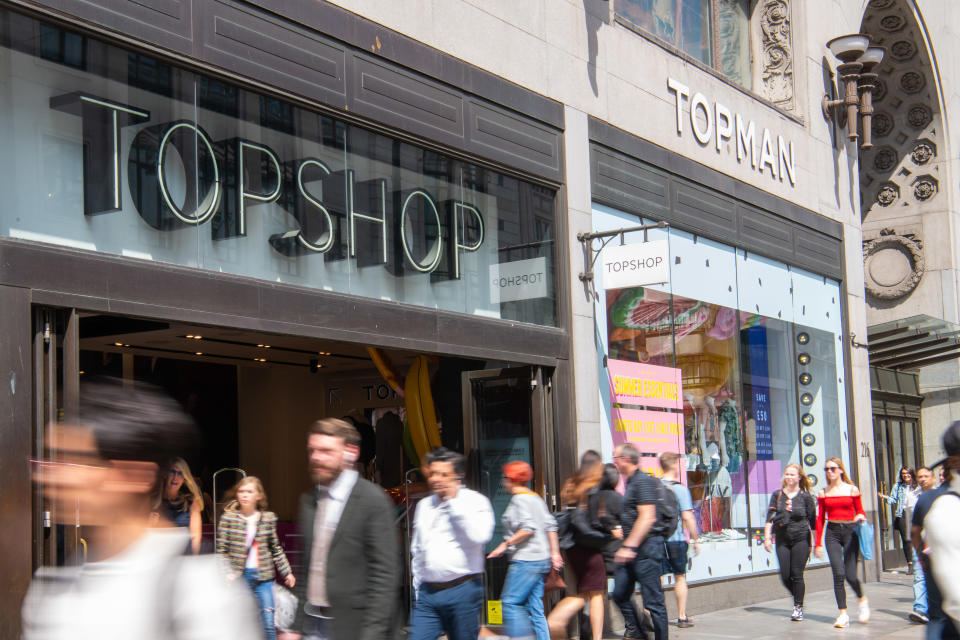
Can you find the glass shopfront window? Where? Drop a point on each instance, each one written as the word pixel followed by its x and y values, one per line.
pixel 115 151
pixel 756 344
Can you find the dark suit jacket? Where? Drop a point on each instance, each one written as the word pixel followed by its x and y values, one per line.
pixel 363 565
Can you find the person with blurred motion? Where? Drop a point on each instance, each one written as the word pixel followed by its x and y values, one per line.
pixel 841 507
pixel 346 585
pixel 451 529
pixel 640 559
pixel 904 494
pixel 677 546
pixel 530 537
pixel 940 531
pixel 583 545
pixel 791 521
pixel 606 507
pixel 247 537
pixel 920 611
pixel 102 468
pixel 179 502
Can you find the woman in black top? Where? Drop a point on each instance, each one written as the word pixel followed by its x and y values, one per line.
pixel 605 505
pixel 792 518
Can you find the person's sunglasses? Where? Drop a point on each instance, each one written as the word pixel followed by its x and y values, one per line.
pixel 831 468
pixel 175 473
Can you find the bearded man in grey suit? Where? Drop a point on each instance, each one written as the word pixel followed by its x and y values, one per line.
pixel 347 584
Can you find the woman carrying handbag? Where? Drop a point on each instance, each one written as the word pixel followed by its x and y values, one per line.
pixel 247 537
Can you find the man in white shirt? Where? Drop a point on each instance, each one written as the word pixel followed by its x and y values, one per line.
pixel 940 529
pixel 451 530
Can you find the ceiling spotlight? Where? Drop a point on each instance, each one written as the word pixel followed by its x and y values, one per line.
pixel 803 338
pixel 813 480
pixel 804 358
pixel 126 345
pixel 189 336
pixel 810 460
pixel 807 419
pixel 809 439
pixel 198 353
pixel 807 399
pixel 81 372
pixel 118 344
pixel 805 378
pixel 197 337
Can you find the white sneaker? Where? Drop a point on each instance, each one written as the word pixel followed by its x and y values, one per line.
pixel 842 621
pixel 863 612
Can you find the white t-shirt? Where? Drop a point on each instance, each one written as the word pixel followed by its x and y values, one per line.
pixel 253 557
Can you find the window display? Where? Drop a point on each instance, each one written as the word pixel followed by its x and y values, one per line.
pixel 755 345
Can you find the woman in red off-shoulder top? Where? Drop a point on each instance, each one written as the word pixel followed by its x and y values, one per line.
pixel 840 505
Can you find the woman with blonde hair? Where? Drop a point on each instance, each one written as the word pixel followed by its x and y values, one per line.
pixel 247 537
pixel 585 554
pixel 792 518
pixel 180 503
pixel 841 507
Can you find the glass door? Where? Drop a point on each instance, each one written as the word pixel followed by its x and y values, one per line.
pixel 57 537
pixel 505 418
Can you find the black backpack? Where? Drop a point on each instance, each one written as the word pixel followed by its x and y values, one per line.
pixel 668 511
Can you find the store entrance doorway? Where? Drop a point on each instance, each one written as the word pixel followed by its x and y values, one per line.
pixel 253 396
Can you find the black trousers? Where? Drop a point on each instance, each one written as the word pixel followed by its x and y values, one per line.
pixel 843 549
pixel 900 525
pixel 793 556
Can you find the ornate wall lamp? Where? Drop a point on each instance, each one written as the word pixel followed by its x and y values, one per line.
pixel 857 80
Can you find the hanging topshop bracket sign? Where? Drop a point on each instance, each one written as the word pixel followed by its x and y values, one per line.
pixel 636 265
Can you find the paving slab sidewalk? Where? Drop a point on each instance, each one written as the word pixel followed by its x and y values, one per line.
pixel 890 601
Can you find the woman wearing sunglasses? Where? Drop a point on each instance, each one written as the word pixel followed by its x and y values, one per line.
pixel 841 507
pixel 180 502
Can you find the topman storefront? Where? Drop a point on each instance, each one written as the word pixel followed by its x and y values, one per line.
pixel 318 233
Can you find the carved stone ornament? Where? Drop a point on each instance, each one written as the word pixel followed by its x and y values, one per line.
pixel 912 81
pixel 882 124
pixel 902 50
pixel 922 153
pixel 880 90
pixel 925 188
pixel 892 265
pixel 880 4
pixel 892 23
pixel 776 52
pixel 919 116
pixel 884 158
pixel 888 194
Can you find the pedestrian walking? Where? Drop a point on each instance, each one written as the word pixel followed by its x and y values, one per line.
pixel 940 530
pixel 606 506
pixel 530 538
pixel 678 547
pixel 179 502
pixel 346 584
pixel 136 581
pixel 584 543
pixel 451 529
pixel 840 506
pixel 646 526
pixel 904 494
pixel 920 611
pixel 247 538
pixel 791 521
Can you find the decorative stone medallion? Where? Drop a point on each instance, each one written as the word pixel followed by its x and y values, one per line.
pixel 880 90
pixel 888 194
pixel 912 81
pixel 918 116
pixel 882 124
pixel 880 4
pixel 892 23
pixel 902 50
pixel 922 152
pixel 925 188
pixel 884 158
pixel 892 265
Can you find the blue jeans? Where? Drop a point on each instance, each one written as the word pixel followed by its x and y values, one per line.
pixel 522 598
pixel 454 611
pixel 919 586
pixel 263 592
pixel 644 569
